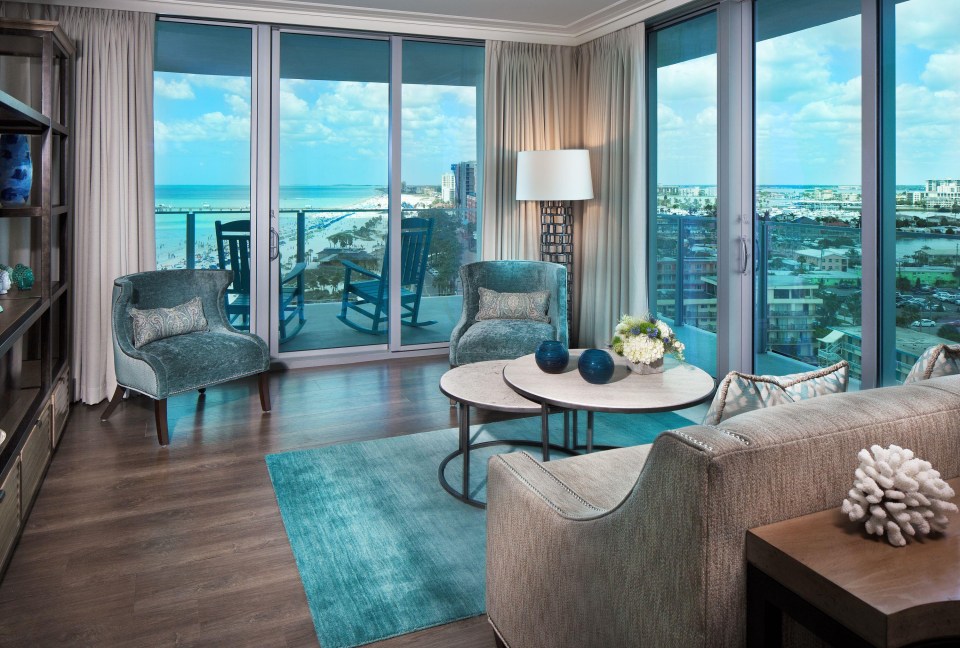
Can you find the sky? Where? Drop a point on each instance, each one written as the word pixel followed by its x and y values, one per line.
pixel 808 110
pixel 331 132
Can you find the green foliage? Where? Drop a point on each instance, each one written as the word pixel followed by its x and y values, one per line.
pixel 949 332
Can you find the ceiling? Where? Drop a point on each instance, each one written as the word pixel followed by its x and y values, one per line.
pixel 567 22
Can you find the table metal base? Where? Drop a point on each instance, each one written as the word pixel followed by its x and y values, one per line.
pixel 463 411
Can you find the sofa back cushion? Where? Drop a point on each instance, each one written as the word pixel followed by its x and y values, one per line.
pixel 782 462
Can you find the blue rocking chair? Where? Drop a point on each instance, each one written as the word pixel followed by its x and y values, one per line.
pixel 366 292
pixel 233 253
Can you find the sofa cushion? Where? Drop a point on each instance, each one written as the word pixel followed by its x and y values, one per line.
pixel 941 360
pixel 159 323
pixel 513 306
pixel 502 339
pixel 174 359
pixel 740 392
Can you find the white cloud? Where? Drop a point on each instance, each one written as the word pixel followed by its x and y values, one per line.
pixel 171 88
pixel 927 24
pixel 942 70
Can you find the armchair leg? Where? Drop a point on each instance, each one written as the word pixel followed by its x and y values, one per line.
pixel 160 413
pixel 202 390
pixel 112 404
pixel 264 380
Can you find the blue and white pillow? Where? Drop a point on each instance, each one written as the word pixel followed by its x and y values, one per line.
pixel 516 306
pixel 739 393
pixel 941 360
pixel 159 323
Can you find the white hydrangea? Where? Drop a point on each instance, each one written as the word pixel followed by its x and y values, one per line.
pixel 665 331
pixel 643 348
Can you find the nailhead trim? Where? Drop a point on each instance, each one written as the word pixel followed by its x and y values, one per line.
pixel 696 442
pixel 564 486
pixel 530 486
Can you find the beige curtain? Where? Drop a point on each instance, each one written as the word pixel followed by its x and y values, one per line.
pixel 549 97
pixel 611 244
pixel 113 154
pixel 529 104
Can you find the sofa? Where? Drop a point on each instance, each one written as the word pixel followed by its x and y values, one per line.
pixel 644 546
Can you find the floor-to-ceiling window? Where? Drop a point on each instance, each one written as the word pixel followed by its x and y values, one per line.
pixel 682 102
pixel 441 99
pixel 807 291
pixel 327 174
pixel 334 116
pixel 202 109
pixel 922 200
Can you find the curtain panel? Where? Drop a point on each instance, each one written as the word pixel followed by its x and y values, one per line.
pixel 552 97
pixel 611 234
pixel 529 103
pixel 113 161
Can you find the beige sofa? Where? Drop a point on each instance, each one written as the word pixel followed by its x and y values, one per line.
pixel 645 546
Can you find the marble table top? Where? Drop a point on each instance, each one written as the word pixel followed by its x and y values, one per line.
pixel 481 384
pixel 680 385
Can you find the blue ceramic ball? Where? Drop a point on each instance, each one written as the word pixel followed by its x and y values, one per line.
pixel 552 357
pixel 596 366
pixel 16 170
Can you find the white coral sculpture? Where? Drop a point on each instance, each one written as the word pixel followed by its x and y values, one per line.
pixel 898 493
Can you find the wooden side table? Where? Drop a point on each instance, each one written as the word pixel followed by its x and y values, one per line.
pixel 850 589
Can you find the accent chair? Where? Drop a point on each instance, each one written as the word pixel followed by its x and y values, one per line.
pixel 500 339
pixel 181 363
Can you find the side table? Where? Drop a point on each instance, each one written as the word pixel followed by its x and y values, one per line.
pixel 850 589
pixel 481 385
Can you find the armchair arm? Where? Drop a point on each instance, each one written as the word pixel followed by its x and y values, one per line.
pixel 351 266
pixel 295 272
pixel 630 575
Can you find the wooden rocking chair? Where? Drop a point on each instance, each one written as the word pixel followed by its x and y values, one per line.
pixel 369 291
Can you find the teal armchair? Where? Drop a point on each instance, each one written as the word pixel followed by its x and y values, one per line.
pixel 473 341
pixel 181 363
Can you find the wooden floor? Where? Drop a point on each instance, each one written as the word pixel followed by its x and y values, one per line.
pixel 130 544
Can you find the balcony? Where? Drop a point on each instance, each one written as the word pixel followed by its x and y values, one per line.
pixel 190 242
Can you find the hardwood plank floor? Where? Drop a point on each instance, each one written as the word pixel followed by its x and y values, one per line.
pixel 130 544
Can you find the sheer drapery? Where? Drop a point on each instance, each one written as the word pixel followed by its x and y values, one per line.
pixel 113 153
pixel 612 258
pixel 528 104
pixel 550 97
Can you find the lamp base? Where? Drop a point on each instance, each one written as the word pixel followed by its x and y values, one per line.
pixel 556 238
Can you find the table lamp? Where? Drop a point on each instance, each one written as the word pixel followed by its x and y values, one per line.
pixel 555 178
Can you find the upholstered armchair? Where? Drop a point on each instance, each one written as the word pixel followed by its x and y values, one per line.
pixel 497 339
pixel 180 363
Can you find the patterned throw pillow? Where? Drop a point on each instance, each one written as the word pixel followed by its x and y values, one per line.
pixel 531 306
pixel 941 360
pixel 739 393
pixel 158 323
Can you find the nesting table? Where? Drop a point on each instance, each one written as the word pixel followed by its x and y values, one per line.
pixel 680 385
pixel 481 385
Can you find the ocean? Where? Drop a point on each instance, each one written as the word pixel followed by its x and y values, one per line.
pixel 211 203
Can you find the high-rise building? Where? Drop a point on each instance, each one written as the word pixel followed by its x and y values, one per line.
pixel 448 187
pixel 465 174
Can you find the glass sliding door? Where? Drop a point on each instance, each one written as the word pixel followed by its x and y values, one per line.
pixel 682 119
pixel 808 197
pixel 441 102
pixel 922 198
pixel 333 112
pixel 202 97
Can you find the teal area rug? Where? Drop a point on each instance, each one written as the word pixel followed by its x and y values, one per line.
pixel 381 548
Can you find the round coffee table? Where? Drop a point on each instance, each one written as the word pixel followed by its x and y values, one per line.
pixel 680 385
pixel 481 385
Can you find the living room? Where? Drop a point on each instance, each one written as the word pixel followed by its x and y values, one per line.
pixel 670 357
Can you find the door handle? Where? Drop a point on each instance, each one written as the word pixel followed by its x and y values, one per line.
pixel 744 255
pixel 274 244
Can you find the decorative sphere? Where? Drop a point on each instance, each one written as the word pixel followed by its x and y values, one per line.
pixel 596 366
pixel 22 276
pixel 552 357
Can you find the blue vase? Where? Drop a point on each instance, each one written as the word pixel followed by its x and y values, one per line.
pixel 596 366
pixel 16 170
pixel 552 357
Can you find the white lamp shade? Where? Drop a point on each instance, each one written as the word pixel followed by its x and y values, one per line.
pixel 554 175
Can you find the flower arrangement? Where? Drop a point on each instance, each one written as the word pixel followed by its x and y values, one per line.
pixel 645 340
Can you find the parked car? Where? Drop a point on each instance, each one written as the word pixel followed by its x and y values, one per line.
pixel 924 323
pixel 938 308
